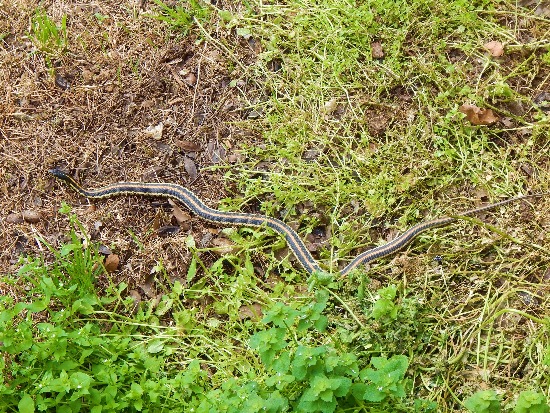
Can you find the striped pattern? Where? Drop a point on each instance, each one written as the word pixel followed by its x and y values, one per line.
pixel 191 201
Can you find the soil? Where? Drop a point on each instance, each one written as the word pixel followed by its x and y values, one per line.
pixel 128 100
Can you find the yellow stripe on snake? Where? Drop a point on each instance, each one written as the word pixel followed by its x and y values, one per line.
pixel 191 201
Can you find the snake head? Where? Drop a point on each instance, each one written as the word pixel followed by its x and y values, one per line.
pixel 58 173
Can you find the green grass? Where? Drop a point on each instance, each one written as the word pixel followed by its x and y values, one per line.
pixel 69 347
pixel 181 17
pixel 360 146
pixel 338 169
pixel 49 38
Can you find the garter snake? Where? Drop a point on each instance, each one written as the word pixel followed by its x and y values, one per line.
pixel 191 201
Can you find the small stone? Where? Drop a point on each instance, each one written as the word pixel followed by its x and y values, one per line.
pixel 190 79
pixel 111 263
pixel 14 218
pixel 31 216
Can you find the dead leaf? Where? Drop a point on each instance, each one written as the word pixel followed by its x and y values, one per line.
pixel 477 115
pixel 14 218
pixel 543 101
pixel 61 82
pixel 507 122
pixel 190 168
pixel 254 114
pixel 215 151
pixel 136 297
pixel 104 250
pixel 111 263
pixel 377 50
pixel 224 246
pixel 147 285
pixel 311 154
pixel 155 131
pixel 153 172
pixel 252 312
pixel 527 169
pixel 330 106
pixel 87 76
pixel 205 239
pixel 157 221
pixel 182 217
pixel 188 146
pixel 496 49
pixel 190 79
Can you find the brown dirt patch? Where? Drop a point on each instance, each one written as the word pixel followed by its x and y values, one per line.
pixel 90 113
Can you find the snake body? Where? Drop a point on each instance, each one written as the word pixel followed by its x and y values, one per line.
pixel 191 201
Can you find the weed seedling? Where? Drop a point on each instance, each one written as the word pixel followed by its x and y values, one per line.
pixel 49 38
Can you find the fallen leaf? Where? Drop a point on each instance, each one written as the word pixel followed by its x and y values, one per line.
pixel 477 115
pixel 543 101
pixel 87 76
pixel 136 297
pixel 496 49
pixel 507 122
pixel 14 218
pixel 311 154
pixel 104 250
pixel 527 169
pixel 224 246
pixel 190 168
pixel 190 79
pixel 188 146
pixel 481 194
pixel 152 173
pixel 330 106
pixel 253 312
pixel 91 209
pixel 172 102
pixel 147 285
pixel 543 9
pixel 167 230
pixel 254 114
pixel 275 65
pixel 182 217
pixel 155 131
pixel 377 50
pixel 111 263
pixel 215 151
pixel 20 245
pixel 157 221
pixel 61 82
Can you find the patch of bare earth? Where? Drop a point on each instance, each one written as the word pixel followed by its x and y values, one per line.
pixel 129 100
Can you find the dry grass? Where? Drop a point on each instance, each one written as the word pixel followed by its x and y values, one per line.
pixel 126 73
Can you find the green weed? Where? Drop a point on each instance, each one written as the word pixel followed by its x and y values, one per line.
pixel 68 347
pixel 181 16
pixel 488 401
pixel 367 146
pixel 49 38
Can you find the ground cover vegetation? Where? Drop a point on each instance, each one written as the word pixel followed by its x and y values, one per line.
pixel 349 120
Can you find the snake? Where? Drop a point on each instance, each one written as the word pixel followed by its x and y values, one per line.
pixel 293 240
